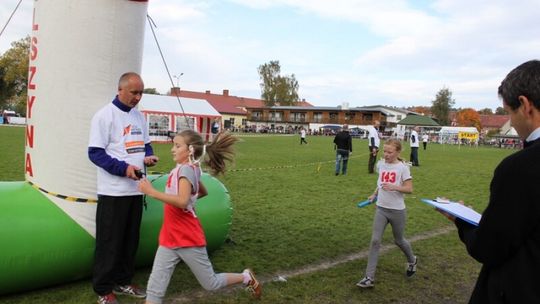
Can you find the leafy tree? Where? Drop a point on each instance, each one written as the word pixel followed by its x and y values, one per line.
pixel 14 75
pixel 151 91
pixel 276 88
pixel 500 111
pixel 469 118
pixel 441 105
pixel 486 111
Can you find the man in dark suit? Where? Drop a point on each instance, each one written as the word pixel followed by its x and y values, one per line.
pixel 507 239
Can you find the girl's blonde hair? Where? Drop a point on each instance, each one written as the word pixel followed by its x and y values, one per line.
pixel 219 151
pixel 396 143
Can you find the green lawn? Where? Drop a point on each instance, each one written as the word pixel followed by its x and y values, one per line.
pixel 292 213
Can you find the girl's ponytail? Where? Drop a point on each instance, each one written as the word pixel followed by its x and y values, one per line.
pixel 220 151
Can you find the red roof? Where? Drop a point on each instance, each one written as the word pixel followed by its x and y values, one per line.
pixel 493 121
pixel 225 103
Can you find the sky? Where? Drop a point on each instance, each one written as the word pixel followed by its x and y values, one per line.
pixel 356 52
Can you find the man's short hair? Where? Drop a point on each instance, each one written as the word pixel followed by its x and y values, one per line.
pixel 524 80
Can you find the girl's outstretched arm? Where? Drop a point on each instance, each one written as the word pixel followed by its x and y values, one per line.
pixel 179 200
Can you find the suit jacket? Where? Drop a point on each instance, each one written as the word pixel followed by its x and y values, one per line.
pixel 507 239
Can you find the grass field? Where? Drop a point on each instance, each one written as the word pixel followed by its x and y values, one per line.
pixel 292 217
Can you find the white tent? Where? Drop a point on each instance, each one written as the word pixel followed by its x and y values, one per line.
pixel 450 134
pixel 164 114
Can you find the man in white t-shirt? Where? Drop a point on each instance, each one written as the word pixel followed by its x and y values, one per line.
pixel 120 147
pixel 303 135
pixel 413 140
pixel 425 139
pixel 374 140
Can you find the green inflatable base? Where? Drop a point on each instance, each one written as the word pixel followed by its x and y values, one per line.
pixel 42 246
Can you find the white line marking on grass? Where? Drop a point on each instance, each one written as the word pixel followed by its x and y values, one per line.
pixel 280 276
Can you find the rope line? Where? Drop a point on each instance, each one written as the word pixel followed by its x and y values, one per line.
pixel 160 174
pixel 65 197
pixel 11 16
pixel 152 25
pixel 80 199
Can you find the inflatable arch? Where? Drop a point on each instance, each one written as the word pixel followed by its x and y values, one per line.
pixel 78 51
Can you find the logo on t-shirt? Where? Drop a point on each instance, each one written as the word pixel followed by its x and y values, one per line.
pixel 132 130
pixel 127 130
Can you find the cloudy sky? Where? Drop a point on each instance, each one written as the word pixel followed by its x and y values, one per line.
pixel 362 52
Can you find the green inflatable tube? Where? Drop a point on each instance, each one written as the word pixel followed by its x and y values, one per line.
pixel 42 246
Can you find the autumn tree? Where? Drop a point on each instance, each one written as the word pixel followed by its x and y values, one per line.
pixel 275 87
pixel 14 76
pixel 441 105
pixel 469 118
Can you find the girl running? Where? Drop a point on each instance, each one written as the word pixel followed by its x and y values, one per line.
pixel 182 236
pixel 394 180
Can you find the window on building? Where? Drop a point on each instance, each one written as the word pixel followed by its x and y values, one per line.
pixel 158 125
pixel 276 116
pixel 183 124
pixel 368 117
pixel 317 117
pixel 399 117
pixel 298 117
pixel 349 116
pixel 333 116
pixel 256 115
pixel 244 121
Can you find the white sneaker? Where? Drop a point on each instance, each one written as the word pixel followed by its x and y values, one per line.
pixel 411 268
pixel 366 282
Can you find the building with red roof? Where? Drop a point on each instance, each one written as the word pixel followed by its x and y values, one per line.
pixel 232 108
pixel 493 122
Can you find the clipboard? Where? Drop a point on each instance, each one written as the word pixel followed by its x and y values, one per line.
pixel 456 209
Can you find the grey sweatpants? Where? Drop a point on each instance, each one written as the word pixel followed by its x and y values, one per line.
pixel 196 258
pixel 397 219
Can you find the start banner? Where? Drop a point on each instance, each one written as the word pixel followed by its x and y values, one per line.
pixel 467 135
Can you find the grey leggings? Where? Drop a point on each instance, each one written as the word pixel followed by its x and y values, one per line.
pixel 196 258
pixel 397 219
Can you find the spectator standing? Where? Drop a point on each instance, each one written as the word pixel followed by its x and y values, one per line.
pixel 120 147
pixel 303 136
pixel 374 140
pixel 425 139
pixel 414 146
pixel 343 147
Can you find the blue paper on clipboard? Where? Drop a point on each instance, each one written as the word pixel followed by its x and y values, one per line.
pixel 455 209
